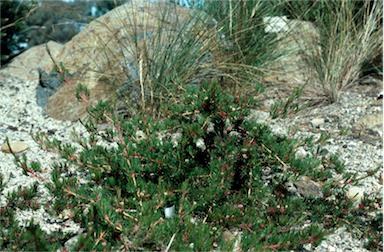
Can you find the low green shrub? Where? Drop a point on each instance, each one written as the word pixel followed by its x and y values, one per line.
pixel 221 172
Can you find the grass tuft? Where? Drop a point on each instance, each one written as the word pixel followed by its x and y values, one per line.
pixel 350 35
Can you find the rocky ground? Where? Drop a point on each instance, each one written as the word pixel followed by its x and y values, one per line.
pixel 358 113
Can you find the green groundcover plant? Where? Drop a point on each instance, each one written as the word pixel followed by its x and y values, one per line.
pixel 221 172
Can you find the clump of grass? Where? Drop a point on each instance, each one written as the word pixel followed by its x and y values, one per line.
pixel 158 57
pixel 350 35
pixel 253 50
pixel 159 53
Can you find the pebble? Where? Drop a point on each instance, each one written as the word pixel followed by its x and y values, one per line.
pixel 308 188
pixel 317 122
pixel 301 152
pixel 355 193
pixel 14 147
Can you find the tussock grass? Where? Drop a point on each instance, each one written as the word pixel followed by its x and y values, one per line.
pixel 350 35
pixel 186 46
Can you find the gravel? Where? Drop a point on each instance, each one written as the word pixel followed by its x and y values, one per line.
pixel 21 117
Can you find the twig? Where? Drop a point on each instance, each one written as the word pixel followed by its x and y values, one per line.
pixel 129 216
pixel 170 242
pixel 281 161
pixel 357 229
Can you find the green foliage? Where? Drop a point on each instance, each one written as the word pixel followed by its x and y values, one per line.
pixel 24 197
pixel 13 26
pixel 291 105
pixel 220 171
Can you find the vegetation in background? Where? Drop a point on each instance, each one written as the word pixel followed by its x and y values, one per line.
pixel 54 20
pixel 13 27
pixel 60 21
pixel 350 40
pixel 28 23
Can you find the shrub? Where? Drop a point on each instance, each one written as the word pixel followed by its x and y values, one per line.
pixel 220 171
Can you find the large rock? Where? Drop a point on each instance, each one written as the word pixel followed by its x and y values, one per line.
pixel 25 66
pixel 297 42
pixel 118 48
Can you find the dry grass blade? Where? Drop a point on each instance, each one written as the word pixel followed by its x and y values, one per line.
pixel 349 36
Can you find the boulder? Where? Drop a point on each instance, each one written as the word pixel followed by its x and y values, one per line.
pixel 297 40
pixel 116 52
pixel 25 66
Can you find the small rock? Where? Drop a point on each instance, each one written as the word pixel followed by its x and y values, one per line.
pixel 301 152
pixel 169 212
pixel 258 116
pixel 48 84
pixel 69 244
pixel 15 147
pixel 308 188
pixel 371 123
pixel 355 194
pixel 317 122
pixel 200 144
pixel 228 236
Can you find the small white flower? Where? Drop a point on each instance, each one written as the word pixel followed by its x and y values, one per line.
pixel 200 144
pixel 175 138
pixel 211 127
pixel 140 135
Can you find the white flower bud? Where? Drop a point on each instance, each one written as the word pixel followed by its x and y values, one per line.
pixel 200 144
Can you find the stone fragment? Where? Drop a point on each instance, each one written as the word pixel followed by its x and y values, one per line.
pixel 228 236
pixel 370 124
pixel 308 188
pixel 140 135
pixel 355 194
pixel 258 116
pixel 48 84
pixel 15 147
pixel 317 122
pixel 301 152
